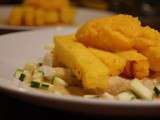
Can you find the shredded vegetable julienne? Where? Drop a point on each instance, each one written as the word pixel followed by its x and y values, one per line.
pixel 39 80
pixel 43 76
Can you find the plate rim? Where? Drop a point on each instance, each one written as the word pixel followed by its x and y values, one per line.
pixel 75 99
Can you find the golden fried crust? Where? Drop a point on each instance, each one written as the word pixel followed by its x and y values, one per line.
pixel 110 33
pixel 39 17
pixel 67 15
pixel 150 33
pixel 137 64
pixel 51 17
pixel 148 37
pixel 141 69
pixel 153 55
pixel 114 62
pixel 28 16
pixel 83 63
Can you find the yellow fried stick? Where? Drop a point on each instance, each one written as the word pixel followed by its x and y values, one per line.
pixel 153 55
pixel 28 17
pixel 39 17
pixel 115 33
pixel 48 4
pixel 147 38
pixel 67 15
pixel 51 17
pixel 16 15
pixel 137 64
pixel 114 62
pixel 86 67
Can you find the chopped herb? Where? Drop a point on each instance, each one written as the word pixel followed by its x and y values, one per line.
pixel 157 90
pixel 22 77
pixel 35 84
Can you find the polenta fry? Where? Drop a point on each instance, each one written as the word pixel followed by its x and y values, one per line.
pixel 51 17
pixel 70 37
pixel 16 16
pixel 67 15
pixel 137 64
pixel 114 62
pixel 153 55
pixel 39 17
pixel 110 33
pixel 147 38
pixel 83 63
pixel 29 16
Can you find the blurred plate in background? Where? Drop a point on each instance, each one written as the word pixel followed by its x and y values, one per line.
pixel 82 15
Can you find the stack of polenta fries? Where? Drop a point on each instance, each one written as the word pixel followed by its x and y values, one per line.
pixel 110 46
pixel 42 12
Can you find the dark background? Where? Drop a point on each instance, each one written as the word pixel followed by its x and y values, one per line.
pixel 14 109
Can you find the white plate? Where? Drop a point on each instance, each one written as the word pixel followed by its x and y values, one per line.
pixel 82 15
pixel 18 48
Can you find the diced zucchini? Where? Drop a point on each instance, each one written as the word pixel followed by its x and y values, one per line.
pixel 157 89
pixel 91 96
pixel 40 85
pixel 59 82
pixel 38 76
pixel 22 77
pixel 18 73
pixel 35 84
pixel 28 76
pixel 140 90
pixel 126 96
pixel 107 96
pixel 44 86
pixel 84 65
